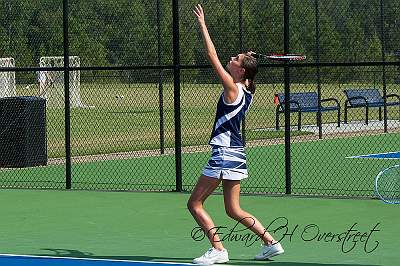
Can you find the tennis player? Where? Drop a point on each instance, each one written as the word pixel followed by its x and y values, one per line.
pixel 228 160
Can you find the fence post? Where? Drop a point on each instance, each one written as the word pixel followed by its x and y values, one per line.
pixel 319 118
pixel 241 50
pixel 383 48
pixel 160 80
pixel 287 97
pixel 67 111
pixel 177 91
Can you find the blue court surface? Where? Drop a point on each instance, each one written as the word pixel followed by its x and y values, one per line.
pixel 24 260
pixel 387 155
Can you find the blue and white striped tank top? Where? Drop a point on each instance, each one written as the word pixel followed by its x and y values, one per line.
pixel 226 129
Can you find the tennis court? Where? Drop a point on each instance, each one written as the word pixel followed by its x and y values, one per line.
pixel 106 112
pixel 157 227
pixel 107 227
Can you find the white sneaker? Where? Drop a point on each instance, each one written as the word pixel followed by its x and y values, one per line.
pixel 269 251
pixel 212 256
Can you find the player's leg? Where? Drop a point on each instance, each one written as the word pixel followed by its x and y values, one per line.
pixel 204 187
pixel 232 207
pixel 233 210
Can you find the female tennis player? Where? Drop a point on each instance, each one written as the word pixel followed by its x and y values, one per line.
pixel 228 161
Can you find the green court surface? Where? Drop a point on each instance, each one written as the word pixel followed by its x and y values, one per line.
pixel 157 227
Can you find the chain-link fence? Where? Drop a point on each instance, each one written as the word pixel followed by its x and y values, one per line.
pixel 142 95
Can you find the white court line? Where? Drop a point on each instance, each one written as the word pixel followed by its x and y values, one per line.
pixel 367 156
pixel 91 259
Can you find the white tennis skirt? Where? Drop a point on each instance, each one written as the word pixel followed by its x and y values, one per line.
pixel 227 163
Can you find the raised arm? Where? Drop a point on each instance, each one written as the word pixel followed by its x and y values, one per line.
pixel 230 88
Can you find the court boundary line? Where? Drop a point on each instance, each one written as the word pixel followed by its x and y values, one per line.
pixel 367 156
pixel 4 255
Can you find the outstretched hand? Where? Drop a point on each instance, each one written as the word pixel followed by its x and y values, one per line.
pixel 198 11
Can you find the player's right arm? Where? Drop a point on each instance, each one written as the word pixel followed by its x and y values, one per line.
pixel 230 88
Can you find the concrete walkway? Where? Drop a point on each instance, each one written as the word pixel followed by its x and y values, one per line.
pixel 351 126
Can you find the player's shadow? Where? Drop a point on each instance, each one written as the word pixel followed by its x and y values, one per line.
pixel 71 253
pixel 56 252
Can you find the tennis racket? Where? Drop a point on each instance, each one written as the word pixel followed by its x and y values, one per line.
pixel 279 57
pixel 387 185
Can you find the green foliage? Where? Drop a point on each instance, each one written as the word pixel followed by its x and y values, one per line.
pixel 124 32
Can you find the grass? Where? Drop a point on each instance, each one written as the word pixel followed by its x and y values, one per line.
pixel 133 122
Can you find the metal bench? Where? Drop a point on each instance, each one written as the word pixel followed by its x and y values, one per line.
pixel 368 98
pixel 305 102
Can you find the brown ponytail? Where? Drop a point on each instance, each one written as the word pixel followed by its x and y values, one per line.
pixel 251 86
pixel 250 66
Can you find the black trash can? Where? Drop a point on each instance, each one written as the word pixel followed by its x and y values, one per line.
pixel 23 141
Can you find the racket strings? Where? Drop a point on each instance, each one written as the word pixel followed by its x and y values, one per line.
pixel 390 190
pixel 389 185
